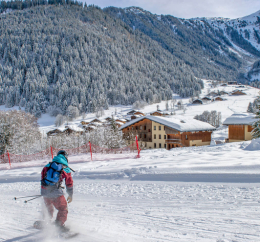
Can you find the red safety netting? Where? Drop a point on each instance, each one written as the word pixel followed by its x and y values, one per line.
pixel 4 158
pixel 84 149
pixel 22 158
pixel 101 150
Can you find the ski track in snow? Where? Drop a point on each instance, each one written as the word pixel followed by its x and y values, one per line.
pixel 140 211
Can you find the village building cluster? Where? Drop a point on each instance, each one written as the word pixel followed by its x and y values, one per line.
pixel 159 129
pixel 218 96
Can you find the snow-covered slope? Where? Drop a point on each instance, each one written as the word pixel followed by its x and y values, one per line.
pixel 241 38
pixel 208 193
pixel 248 27
pixel 186 194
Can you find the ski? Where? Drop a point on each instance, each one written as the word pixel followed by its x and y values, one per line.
pixel 41 225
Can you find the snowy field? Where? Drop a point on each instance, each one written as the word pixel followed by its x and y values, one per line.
pixel 209 193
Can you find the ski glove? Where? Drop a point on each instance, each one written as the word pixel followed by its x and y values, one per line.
pixel 69 199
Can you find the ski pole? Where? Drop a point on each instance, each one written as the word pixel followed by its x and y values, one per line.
pixel 15 198
pixel 71 169
pixel 31 199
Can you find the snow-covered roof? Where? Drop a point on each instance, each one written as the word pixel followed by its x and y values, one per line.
pixel 121 119
pixel 91 127
pixel 240 118
pixel 96 124
pixel 182 125
pixel 74 127
pixel 120 122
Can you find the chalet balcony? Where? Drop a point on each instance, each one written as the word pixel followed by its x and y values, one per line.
pixel 145 139
pixel 173 141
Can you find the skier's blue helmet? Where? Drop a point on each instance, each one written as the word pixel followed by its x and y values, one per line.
pixel 64 153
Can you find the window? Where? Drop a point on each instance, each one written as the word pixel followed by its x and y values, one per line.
pixel 160 145
pixel 154 128
pixel 140 135
pixel 160 127
pixel 154 145
pixel 160 136
pixel 164 136
pixel 144 127
pixel 136 127
pixel 154 136
pixel 186 137
pixel 145 136
pixel 141 127
pixel 149 130
pixel 165 146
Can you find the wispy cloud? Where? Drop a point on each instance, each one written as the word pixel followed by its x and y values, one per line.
pixel 189 8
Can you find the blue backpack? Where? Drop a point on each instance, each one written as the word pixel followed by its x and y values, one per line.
pixel 53 174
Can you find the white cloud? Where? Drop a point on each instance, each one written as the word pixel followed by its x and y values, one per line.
pixel 189 8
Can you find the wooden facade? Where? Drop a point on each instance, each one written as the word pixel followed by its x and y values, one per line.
pixel 139 113
pixel 187 139
pixel 67 131
pixel 206 99
pixel 219 99
pixel 197 101
pixel 54 132
pixel 156 113
pixel 96 121
pixel 238 93
pixel 84 123
pixel 239 132
pixel 155 135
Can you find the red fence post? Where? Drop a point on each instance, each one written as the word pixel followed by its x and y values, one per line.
pixel 90 149
pixel 51 153
pixel 9 159
pixel 137 146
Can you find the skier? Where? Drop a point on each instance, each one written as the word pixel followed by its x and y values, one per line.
pixel 51 189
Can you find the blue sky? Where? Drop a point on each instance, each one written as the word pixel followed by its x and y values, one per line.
pixel 188 8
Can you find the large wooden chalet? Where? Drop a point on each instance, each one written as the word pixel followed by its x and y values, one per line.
pixel 239 127
pixel 162 132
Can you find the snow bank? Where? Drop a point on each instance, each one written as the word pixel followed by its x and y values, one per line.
pixel 254 145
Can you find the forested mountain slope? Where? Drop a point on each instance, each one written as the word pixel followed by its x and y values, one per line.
pixel 69 58
pixel 211 51
pixel 53 57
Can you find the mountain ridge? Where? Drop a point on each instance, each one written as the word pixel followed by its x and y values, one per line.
pixel 70 59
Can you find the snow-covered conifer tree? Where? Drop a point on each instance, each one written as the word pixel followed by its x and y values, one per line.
pixel 250 108
pixel 256 125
